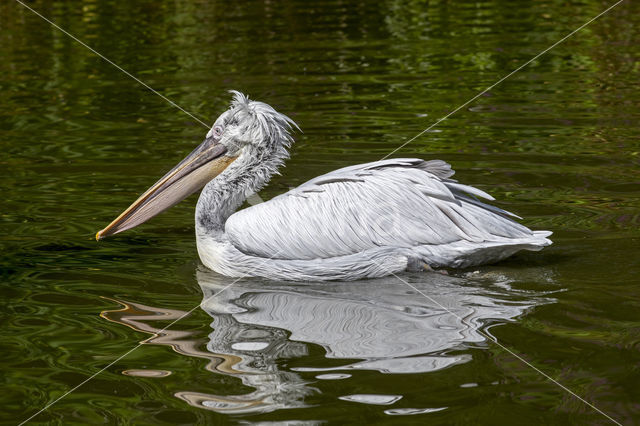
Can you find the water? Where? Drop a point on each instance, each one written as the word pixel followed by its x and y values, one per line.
pixel 558 143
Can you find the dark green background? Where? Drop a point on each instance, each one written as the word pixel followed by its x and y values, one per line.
pixel 558 143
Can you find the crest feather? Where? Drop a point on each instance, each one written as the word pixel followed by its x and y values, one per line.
pixel 240 100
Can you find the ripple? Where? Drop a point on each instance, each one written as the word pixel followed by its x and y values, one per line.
pixel 412 411
pixel 146 373
pixel 333 376
pixel 371 399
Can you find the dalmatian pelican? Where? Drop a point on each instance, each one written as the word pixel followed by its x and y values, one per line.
pixel 362 221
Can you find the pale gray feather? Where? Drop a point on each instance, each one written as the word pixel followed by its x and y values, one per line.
pixel 399 203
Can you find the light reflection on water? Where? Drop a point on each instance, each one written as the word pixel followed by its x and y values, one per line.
pixel 381 325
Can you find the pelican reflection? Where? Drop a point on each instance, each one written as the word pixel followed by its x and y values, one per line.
pixel 384 326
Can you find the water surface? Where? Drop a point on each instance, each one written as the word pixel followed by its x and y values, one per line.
pixel 558 143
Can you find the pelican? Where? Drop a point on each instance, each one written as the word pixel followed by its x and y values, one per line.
pixel 362 221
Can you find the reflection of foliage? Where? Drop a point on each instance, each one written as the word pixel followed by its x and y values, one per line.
pixel 408 19
pixel 573 61
pixel 480 60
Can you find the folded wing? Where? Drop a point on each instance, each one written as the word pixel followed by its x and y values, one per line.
pixel 396 202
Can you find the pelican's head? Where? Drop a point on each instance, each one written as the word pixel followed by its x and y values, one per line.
pixel 248 129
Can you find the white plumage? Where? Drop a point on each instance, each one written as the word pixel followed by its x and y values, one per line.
pixel 395 203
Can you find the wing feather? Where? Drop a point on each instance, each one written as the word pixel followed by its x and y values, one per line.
pixel 398 202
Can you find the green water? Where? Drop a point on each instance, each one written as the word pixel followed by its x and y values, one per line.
pixel 558 143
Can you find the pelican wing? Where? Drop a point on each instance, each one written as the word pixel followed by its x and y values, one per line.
pixel 396 202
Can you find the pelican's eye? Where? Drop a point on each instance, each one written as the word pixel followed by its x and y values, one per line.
pixel 217 131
